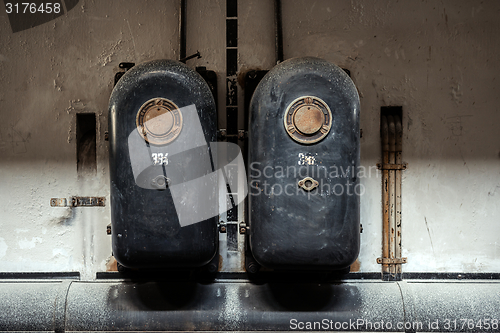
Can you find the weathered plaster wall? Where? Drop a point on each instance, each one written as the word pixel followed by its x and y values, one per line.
pixel 48 74
pixel 437 60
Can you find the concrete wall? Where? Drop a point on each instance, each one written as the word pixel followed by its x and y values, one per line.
pixel 439 61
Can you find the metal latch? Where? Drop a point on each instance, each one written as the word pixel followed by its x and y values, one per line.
pixel 79 202
pixel 58 202
pixel 88 201
pixel 222 134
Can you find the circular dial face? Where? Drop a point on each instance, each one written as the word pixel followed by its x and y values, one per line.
pixel 159 121
pixel 308 119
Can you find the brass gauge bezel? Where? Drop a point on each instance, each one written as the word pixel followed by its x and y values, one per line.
pixel 159 133
pixel 308 119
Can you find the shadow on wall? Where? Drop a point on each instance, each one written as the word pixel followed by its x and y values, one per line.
pixel 66 219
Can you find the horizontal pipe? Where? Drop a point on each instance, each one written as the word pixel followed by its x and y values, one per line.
pixel 398 160
pixel 239 305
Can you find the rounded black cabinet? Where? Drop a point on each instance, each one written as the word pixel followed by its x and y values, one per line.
pixel 303 167
pixel 162 117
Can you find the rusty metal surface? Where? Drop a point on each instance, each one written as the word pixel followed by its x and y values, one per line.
pixel 392 261
pixel 397 166
pixel 58 202
pixel 392 165
pixel 308 119
pixel 392 192
pixel 88 201
pixel 159 131
pixel 399 148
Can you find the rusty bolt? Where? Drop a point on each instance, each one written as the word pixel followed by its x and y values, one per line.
pixel 252 75
pixel 212 268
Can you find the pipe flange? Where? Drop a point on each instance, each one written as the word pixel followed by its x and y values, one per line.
pixel 308 184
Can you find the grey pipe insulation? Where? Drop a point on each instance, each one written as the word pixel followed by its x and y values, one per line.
pixel 239 305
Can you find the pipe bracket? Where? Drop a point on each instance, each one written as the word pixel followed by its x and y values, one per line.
pixel 390 261
pixel 381 166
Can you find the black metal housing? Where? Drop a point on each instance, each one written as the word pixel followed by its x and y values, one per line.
pixel 145 228
pixel 291 228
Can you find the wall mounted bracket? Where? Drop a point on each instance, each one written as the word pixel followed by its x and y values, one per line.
pixel 392 261
pixel 79 202
pixel 381 166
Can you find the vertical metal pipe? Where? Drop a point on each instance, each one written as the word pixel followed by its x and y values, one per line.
pixel 392 194
pixel 385 193
pixel 182 31
pixel 278 27
pixel 399 150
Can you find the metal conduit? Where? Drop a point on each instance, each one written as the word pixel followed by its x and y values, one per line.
pixel 182 30
pixel 392 194
pixel 238 305
pixel 278 29
pixel 399 161
pixel 391 135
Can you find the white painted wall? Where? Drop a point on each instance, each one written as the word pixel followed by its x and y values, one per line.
pixel 437 60
pixel 48 74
